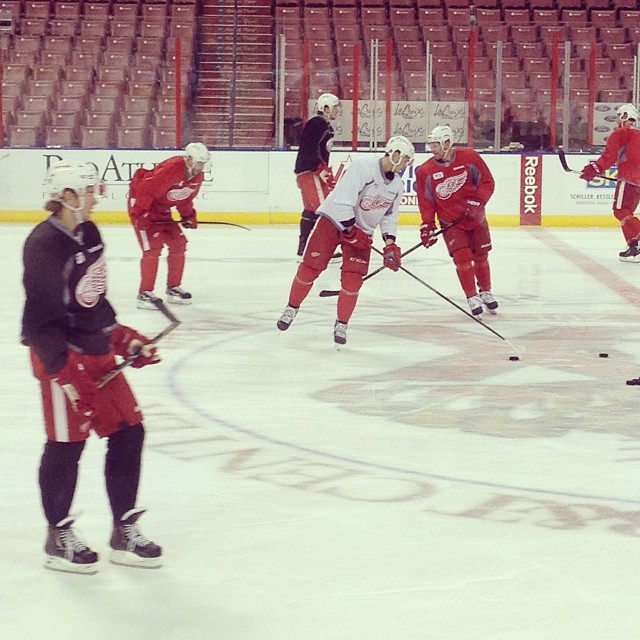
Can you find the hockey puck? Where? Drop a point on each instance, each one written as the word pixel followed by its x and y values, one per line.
pixel 514 358
pixel 603 355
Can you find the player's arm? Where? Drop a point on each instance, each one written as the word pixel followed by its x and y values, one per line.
pixel 609 156
pixel 45 312
pixel 483 180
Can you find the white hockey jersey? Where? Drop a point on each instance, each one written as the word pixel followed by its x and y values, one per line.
pixel 366 194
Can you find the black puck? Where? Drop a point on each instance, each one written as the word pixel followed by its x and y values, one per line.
pixel 514 358
pixel 603 355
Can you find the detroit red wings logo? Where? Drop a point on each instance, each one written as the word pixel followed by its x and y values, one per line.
pixel 176 195
pixel 370 203
pixel 449 186
pixel 92 284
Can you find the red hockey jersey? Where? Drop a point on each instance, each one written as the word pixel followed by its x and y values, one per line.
pixel 623 149
pixel 153 192
pixel 444 188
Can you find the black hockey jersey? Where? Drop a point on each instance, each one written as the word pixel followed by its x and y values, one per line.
pixel 315 145
pixel 65 285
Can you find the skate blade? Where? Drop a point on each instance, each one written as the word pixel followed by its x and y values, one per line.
pixel 129 559
pixel 60 564
pixel 147 305
pixel 172 300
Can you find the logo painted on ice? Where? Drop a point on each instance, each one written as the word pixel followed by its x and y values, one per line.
pixel 452 184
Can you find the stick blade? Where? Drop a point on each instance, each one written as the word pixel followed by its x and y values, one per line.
pixel 325 293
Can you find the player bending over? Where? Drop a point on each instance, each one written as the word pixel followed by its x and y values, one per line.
pixel 368 196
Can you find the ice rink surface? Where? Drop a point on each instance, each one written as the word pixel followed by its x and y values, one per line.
pixel 417 485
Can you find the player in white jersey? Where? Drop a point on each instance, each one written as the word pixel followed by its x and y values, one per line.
pixel 367 196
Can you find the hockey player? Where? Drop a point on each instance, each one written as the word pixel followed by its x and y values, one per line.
pixel 623 149
pixel 313 174
pixel 74 338
pixel 366 197
pixel 455 185
pixel 175 182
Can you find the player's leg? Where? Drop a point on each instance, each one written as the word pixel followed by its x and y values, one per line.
pixel 120 421
pixel 625 201
pixel 177 246
pixel 322 244
pixel 151 243
pixel 355 264
pixel 459 247
pixel 66 433
pixel 481 244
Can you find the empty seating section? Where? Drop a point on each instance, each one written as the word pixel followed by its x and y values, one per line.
pixel 526 30
pixel 102 72
pixel 74 68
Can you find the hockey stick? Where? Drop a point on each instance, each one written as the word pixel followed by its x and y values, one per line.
pixel 457 306
pixel 174 322
pixel 229 224
pixel 327 293
pixel 565 165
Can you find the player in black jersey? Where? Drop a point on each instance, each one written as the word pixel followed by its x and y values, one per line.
pixel 313 174
pixel 73 337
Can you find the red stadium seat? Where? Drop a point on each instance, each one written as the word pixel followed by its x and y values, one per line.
pixel 56 137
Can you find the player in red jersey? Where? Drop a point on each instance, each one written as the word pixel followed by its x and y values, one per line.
pixel 73 336
pixel 313 174
pixel 455 185
pixel 175 182
pixel 623 149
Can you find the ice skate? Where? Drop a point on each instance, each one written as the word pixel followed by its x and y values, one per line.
pixel 475 304
pixel 67 552
pixel 287 318
pixel 148 300
pixel 129 547
pixel 631 253
pixel 489 301
pixel 177 295
pixel 340 333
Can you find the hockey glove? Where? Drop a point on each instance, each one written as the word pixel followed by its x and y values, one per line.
pixel 128 342
pixel 426 235
pixel 78 386
pixel 392 257
pixel 474 211
pixel 190 223
pixel 357 238
pixel 325 174
pixel 590 171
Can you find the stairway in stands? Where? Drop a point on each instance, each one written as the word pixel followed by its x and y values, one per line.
pixel 234 97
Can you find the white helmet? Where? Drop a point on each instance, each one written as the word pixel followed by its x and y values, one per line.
pixel 627 112
pixel 401 144
pixel 326 100
pixel 440 134
pixel 71 175
pixel 197 152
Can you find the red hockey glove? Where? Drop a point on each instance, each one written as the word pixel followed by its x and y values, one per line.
pixel 392 257
pixel 590 171
pixel 128 342
pixel 474 211
pixel 325 174
pixel 357 238
pixel 78 386
pixel 190 223
pixel 426 235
